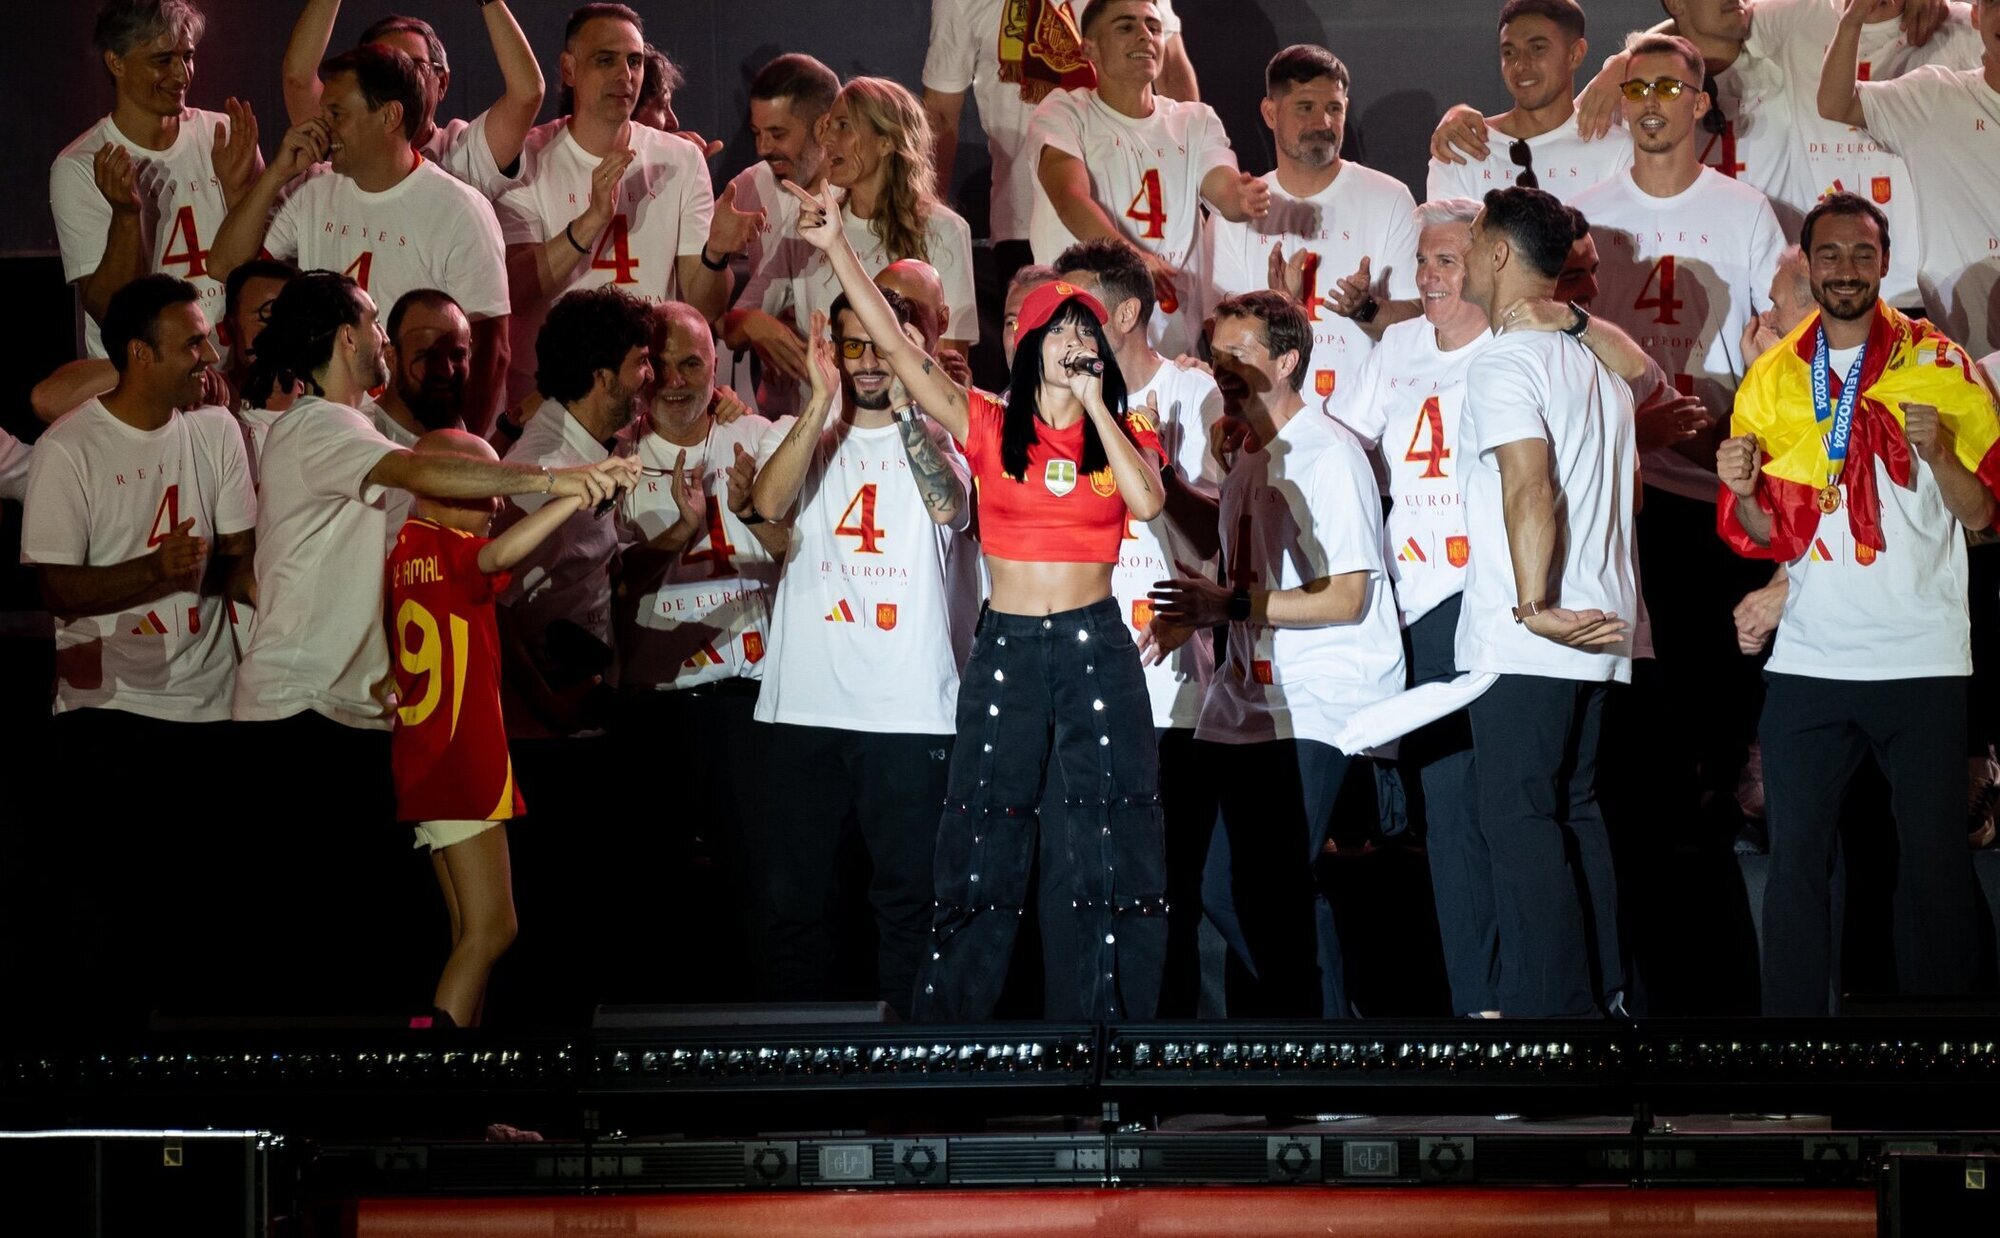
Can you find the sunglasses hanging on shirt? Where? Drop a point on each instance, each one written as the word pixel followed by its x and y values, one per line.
pixel 1524 159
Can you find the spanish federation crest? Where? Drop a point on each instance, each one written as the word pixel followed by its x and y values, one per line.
pixel 1323 382
pixel 1059 476
pixel 1457 549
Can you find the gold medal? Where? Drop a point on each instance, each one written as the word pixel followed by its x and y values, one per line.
pixel 1829 499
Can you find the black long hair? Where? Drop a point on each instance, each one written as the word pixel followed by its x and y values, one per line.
pixel 1024 393
pixel 298 338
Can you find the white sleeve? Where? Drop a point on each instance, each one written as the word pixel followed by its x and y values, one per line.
pixel 469 157
pixel 953 53
pixel 1897 112
pixel 697 199
pixel 1356 407
pixel 1775 25
pixel 281 236
pixel 475 266
pixel 83 217
pixel 1170 21
pixel 1767 249
pixel 954 268
pixel 1447 180
pixel 1211 143
pixel 55 511
pixel 1239 257
pixel 1198 465
pixel 15 457
pixel 344 449
pixel 520 217
pixel 1395 262
pixel 1057 122
pixel 236 493
pixel 1504 402
pixel 1346 515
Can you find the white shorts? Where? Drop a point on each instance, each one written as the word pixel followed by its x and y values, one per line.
pixel 437 835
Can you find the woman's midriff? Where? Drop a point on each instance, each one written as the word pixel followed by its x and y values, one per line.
pixel 1021 588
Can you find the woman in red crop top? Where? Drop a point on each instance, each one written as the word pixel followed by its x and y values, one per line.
pixel 1055 773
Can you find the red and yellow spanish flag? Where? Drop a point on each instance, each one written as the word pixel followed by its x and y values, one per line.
pixel 1908 362
pixel 1041 49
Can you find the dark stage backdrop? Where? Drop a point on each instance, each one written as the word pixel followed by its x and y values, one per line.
pixel 1410 59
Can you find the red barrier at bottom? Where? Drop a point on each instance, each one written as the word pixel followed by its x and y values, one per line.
pixel 1154 1213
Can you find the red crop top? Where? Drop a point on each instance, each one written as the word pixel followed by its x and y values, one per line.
pixel 1054 514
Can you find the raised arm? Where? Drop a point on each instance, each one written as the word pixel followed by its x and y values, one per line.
pixel 1177 80
pixel 784 474
pixel 513 114
pixel 242 231
pixel 463 477
pixel 303 54
pixel 926 381
pixel 943 109
pixel 124 257
pixel 535 272
pixel 517 543
pixel 1839 93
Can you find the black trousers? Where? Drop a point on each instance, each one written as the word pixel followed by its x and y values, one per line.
pixel 1701 705
pixel 1065 687
pixel 1447 784
pixel 1188 790
pixel 1277 804
pixel 687 758
pixel 1555 900
pixel 821 786
pixel 1814 734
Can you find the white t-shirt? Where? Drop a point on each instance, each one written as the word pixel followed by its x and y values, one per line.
pixel 664 206
pixel 568 575
pixel 868 607
pixel 319 642
pixel 775 248
pixel 1147 175
pixel 181 207
pixel 1303 508
pixel 1795 34
pixel 709 616
pixel 795 279
pixel 1759 143
pixel 1682 275
pixel 428 230
pixel 1189 405
pixel 1948 126
pixel 461 148
pixel 1362 214
pixel 14 458
pixel 397 504
pixel 1564 163
pixel 101 492
pixel 1408 401
pixel 1545 385
pixel 964 52
pixel 1855 613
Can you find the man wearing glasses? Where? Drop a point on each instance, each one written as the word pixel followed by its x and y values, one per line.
pixel 1687 256
pixel 860 688
pixel 1536 143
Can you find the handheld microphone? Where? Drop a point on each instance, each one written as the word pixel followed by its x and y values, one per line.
pixel 1093 366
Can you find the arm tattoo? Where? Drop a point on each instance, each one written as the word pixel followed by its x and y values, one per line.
pixel 943 494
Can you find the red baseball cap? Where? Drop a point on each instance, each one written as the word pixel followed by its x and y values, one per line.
pixel 1042 303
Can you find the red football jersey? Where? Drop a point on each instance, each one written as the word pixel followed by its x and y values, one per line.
pixel 1051 515
pixel 450 748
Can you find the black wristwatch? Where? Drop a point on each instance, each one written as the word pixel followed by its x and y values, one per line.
pixel 721 264
pixel 1368 310
pixel 1239 605
pixel 1582 323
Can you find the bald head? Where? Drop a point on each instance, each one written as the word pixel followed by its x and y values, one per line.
pixel 454 443
pixel 683 357
pixel 918 281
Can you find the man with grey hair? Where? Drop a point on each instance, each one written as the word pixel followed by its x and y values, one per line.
pixel 142 191
pixel 1338 238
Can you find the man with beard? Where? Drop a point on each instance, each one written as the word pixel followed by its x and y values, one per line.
pixel 788 97
pixel 862 684
pixel 1863 442
pixel 1536 142
pixel 694 624
pixel 592 362
pixel 308 681
pixel 138 519
pixel 1339 237
pixel 376 210
pixel 429 358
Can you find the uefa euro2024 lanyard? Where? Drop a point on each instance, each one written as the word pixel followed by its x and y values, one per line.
pixel 1842 415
